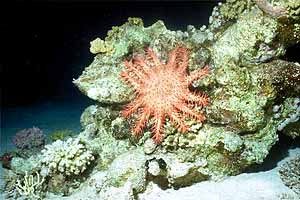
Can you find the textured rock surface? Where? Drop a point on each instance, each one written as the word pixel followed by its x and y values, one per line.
pixel 102 128
pixel 290 174
pixel 242 45
pixel 288 113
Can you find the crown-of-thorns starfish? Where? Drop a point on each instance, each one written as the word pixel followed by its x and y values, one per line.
pixel 163 91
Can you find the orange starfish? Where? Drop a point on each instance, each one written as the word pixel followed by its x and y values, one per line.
pixel 163 90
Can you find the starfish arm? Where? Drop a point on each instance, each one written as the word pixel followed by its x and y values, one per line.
pixel 163 90
pixel 182 59
pixel 191 113
pixel 142 122
pixel 175 118
pixel 178 58
pixel 131 80
pixel 151 56
pixel 195 75
pixel 132 68
pixel 199 99
pixel 172 58
pixel 158 128
pixel 132 107
pixel 142 66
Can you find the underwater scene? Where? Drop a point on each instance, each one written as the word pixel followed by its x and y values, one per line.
pixel 150 100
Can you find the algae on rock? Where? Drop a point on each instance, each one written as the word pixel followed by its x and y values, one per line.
pixel 101 80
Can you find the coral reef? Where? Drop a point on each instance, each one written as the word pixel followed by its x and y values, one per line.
pixel 61 164
pixel 103 83
pixel 105 133
pixel 21 165
pixel 290 174
pixel 127 169
pixel 29 141
pixel 242 47
pixel 254 97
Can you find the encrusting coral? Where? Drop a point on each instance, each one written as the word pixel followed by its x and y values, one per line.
pixel 163 90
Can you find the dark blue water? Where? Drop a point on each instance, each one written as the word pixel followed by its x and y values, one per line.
pixel 55 114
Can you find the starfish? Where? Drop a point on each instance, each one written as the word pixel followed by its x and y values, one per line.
pixel 162 90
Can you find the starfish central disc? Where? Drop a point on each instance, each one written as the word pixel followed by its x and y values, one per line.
pixel 162 90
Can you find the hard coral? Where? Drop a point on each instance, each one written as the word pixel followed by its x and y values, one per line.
pixel 31 186
pixel 163 90
pixel 69 157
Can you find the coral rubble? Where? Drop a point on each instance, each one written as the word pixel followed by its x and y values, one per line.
pixel 290 174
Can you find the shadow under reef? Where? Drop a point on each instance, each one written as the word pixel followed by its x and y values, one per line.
pixel 277 153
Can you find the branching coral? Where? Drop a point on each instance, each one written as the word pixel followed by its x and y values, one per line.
pixel 163 90
pixel 30 187
pixel 69 157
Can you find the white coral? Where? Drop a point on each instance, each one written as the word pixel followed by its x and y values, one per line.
pixel 30 186
pixel 68 157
